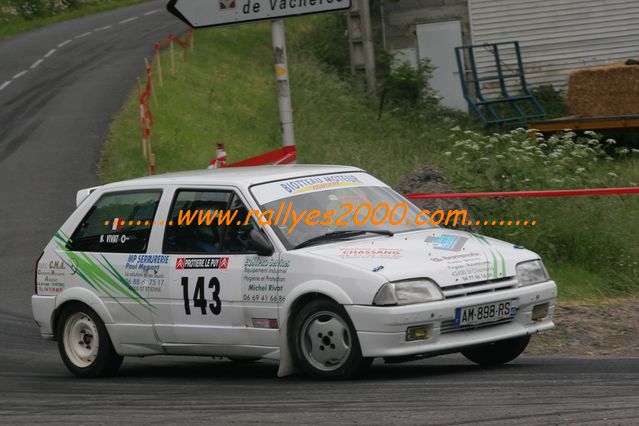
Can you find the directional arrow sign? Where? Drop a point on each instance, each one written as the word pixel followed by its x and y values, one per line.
pixel 212 13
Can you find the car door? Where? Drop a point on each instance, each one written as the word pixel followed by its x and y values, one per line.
pixel 207 307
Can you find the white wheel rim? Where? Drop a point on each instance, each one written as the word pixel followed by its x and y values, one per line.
pixel 81 339
pixel 325 341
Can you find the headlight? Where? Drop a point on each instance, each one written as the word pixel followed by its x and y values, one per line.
pixel 407 292
pixel 532 272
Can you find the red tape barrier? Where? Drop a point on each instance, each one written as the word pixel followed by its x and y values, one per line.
pixel 284 155
pixel 545 193
pixel 183 44
pixel 288 154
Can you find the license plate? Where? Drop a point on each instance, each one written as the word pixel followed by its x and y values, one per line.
pixel 488 312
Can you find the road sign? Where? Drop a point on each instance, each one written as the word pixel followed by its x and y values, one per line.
pixel 212 13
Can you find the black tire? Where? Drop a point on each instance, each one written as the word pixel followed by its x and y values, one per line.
pixel 79 321
pixel 347 361
pixel 498 353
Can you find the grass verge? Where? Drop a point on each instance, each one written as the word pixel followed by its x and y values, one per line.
pixel 225 91
pixel 18 25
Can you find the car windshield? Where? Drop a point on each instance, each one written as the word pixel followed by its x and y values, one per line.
pixel 330 207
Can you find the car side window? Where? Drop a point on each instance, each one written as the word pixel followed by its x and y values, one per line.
pixel 207 222
pixel 117 223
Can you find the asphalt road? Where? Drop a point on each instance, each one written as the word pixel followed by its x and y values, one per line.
pixel 53 121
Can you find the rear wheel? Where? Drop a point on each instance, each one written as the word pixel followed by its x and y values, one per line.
pixel 84 344
pixel 497 353
pixel 325 343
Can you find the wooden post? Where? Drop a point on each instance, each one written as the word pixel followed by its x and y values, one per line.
pixel 149 75
pixel 143 129
pixel 152 164
pixel 159 64
pixel 147 141
pixel 172 51
pixel 139 89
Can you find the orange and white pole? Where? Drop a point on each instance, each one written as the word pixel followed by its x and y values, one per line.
pixel 220 157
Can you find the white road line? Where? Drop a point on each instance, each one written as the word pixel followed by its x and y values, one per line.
pixel 36 63
pixel 83 35
pixel 64 43
pixel 5 84
pixel 128 20
pixel 20 74
pixel 151 12
pixel 106 27
pixel 49 53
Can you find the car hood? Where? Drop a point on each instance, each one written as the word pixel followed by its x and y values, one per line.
pixel 448 257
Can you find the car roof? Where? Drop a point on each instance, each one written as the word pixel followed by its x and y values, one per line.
pixel 244 176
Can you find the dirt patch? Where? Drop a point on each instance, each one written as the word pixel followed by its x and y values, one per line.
pixel 592 330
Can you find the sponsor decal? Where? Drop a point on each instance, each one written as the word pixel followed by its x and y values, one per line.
pixel 263 279
pixel 99 274
pixel 146 262
pixel 370 253
pixel 268 192
pixel 57 265
pixel 146 272
pixel 447 242
pixel 300 186
pixel 50 277
pixel 202 263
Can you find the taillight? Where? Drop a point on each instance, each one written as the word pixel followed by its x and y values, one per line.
pixel 35 274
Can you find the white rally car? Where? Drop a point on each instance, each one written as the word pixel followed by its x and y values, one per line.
pixel 127 276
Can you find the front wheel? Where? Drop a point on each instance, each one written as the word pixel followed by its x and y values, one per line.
pixel 497 353
pixel 84 344
pixel 325 343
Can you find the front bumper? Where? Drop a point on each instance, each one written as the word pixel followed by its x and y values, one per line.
pixel 382 330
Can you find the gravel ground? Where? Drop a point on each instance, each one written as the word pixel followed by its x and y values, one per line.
pixel 611 329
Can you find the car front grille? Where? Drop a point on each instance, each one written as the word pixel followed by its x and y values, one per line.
pixel 449 326
pixel 462 290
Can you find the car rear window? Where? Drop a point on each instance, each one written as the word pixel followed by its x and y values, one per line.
pixel 117 223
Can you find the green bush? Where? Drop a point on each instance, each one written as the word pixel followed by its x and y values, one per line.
pixel 595 232
pixel 402 86
pixel 326 39
pixel 552 100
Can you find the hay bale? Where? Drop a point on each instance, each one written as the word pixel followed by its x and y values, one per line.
pixel 604 90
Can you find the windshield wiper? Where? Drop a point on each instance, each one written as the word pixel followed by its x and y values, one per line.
pixel 336 235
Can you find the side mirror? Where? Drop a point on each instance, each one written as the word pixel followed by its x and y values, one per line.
pixel 259 243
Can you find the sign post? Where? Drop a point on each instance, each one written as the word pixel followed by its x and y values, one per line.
pixel 213 13
pixel 283 86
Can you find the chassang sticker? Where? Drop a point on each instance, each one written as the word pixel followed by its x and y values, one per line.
pixel 202 263
pixel 370 252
